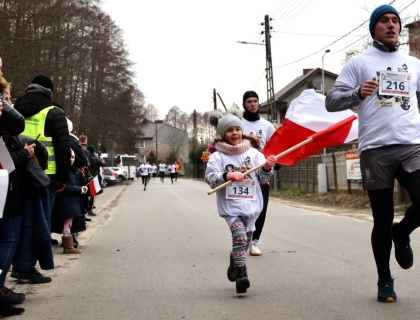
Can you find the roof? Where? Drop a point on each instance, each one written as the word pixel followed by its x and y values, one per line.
pixel 149 129
pixel 415 24
pixel 289 88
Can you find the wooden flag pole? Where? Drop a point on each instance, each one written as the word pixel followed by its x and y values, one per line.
pixel 262 164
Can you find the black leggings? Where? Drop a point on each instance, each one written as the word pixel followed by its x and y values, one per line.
pixel 382 202
pixel 259 224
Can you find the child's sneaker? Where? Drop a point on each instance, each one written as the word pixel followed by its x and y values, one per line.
pixel 386 291
pixel 253 248
pixel 403 251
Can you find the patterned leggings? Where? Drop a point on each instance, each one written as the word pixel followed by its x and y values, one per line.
pixel 240 242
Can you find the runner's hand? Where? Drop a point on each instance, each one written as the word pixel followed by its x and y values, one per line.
pixel 368 88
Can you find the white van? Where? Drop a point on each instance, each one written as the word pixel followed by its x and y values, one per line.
pixel 127 163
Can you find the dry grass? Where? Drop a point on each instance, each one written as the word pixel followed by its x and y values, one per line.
pixel 331 199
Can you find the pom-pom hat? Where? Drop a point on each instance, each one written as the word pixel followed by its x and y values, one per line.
pixel 233 118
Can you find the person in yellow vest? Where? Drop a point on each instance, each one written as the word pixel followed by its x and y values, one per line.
pixel 45 120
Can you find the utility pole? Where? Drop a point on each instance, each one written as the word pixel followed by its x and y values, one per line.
pixel 195 162
pixel 214 99
pixel 271 111
pixel 156 137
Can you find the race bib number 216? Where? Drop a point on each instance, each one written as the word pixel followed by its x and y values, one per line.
pixel 394 83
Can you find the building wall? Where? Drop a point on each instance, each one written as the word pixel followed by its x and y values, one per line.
pixel 165 135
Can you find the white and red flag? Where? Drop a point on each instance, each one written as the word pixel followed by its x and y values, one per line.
pixel 6 161
pixel 94 186
pixel 308 120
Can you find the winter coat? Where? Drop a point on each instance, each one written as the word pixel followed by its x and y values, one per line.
pixel 11 120
pixel 96 164
pixel 69 203
pixel 20 156
pixel 35 240
pixel 37 98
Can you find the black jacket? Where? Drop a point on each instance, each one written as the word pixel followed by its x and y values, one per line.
pixel 11 120
pixel 20 156
pixel 37 98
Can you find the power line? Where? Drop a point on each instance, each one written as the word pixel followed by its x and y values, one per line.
pixel 359 26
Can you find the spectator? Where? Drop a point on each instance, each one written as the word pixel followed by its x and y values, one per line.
pixel 96 163
pixel 70 208
pixel 49 125
pixel 10 224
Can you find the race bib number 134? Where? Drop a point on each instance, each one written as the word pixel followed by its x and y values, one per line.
pixel 241 190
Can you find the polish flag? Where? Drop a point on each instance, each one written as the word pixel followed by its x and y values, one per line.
pixel 94 186
pixel 309 124
pixel 6 161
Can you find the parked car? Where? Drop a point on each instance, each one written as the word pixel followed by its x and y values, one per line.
pixel 122 174
pixel 110 177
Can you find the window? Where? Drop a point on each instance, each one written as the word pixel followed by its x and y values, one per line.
pixel 142 158
pixel 142 144
pixel 318 86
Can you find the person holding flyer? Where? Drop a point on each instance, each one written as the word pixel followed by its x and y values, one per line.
pixel 241 202
pixel 382 83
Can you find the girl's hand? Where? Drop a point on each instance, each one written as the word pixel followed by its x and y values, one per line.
pixel 270 162
pixel 235 176
pixel 84 189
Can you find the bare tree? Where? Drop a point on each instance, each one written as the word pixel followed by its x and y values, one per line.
pixel 151 113
pixel 173 116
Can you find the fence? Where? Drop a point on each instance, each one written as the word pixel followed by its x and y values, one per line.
pixel 304 175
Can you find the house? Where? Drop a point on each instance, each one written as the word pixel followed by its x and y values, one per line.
pixel 163 140
pixel 309 78
pixel 414 38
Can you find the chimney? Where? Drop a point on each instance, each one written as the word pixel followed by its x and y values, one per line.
pixel 305 71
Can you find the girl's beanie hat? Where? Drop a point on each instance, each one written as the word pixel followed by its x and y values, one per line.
pixel 233 118
pixel 228 121
pixel 379 12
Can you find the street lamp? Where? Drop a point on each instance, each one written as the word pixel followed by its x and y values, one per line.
pixel 326 51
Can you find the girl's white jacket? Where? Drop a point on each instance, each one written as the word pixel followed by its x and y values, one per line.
pixel 230 209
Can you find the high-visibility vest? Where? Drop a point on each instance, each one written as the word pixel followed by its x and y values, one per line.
pixel 35 128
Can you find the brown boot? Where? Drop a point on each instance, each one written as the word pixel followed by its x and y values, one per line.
pixel 68 247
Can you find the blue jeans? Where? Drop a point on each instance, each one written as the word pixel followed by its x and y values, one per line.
pixel 10 228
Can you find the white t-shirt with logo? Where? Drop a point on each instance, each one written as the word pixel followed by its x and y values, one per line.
pixel 144 169
pixel 162 167
pixel 261 128
pixel 384 120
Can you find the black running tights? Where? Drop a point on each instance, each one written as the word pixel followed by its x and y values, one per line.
pixel 259 224
pixel 382 202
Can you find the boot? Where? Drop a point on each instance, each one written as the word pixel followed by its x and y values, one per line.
pixel 7 310
pixel 230 271
pixel 68 247
pixel 241 279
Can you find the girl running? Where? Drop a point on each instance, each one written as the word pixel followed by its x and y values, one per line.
pixel 241 202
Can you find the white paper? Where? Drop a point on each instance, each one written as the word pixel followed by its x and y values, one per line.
pixel 6 161
pixel 4 186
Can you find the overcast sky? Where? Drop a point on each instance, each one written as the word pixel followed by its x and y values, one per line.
pixel 184 49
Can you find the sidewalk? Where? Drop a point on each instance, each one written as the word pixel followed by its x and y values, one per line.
pixel 103 206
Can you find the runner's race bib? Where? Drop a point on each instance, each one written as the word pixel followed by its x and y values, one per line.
pixel 394 83
pixel 241 190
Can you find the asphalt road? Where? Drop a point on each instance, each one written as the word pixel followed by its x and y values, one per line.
pixel 163 254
